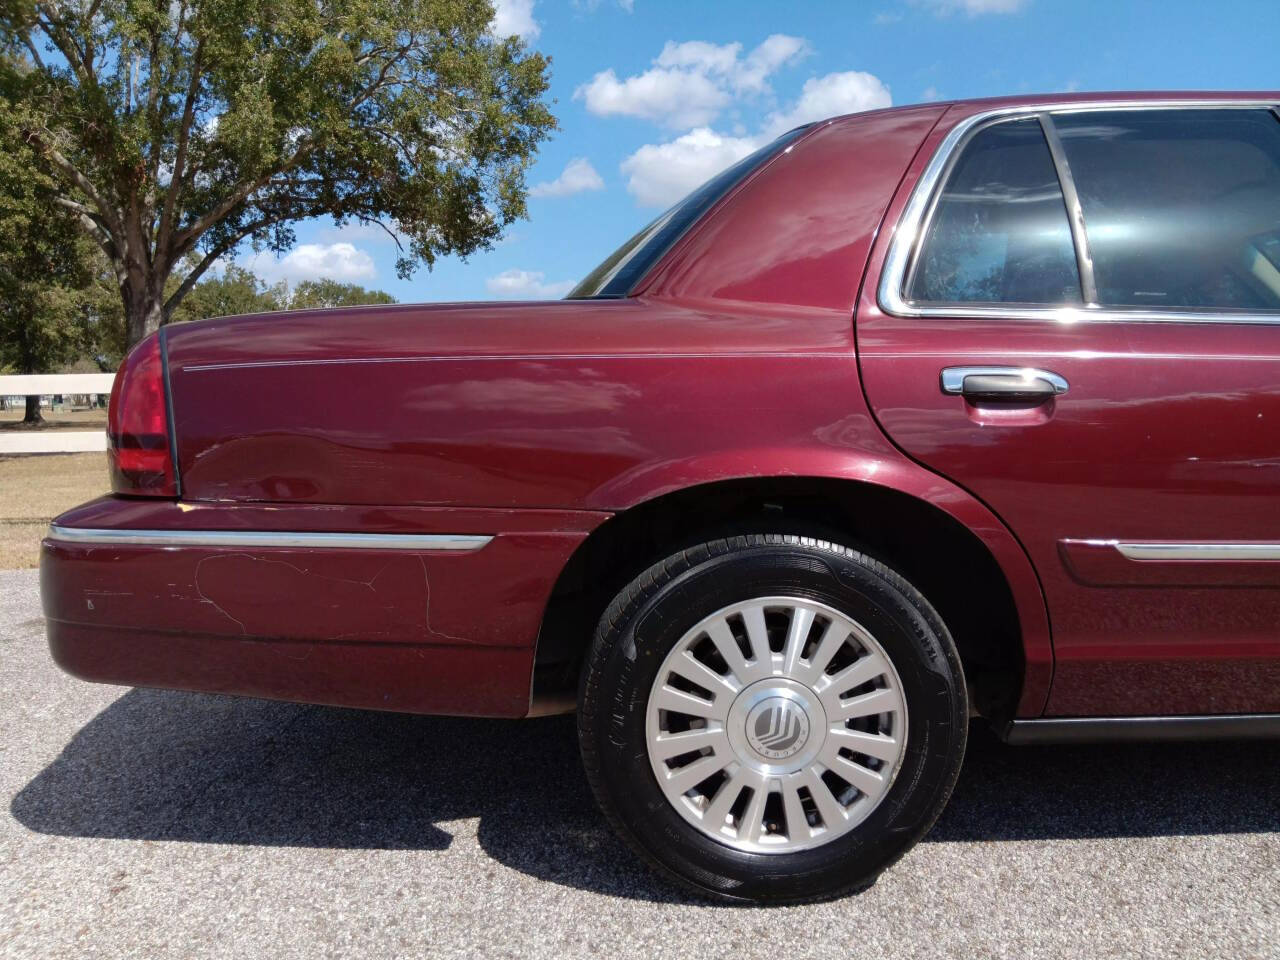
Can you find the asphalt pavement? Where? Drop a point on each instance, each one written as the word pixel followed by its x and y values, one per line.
pixel 153 824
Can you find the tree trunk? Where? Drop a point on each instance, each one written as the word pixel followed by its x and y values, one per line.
pixel 29 364
pixel 143 309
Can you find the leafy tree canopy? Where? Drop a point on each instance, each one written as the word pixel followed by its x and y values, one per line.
pixel 178 128
pixel 310 294
pixel 46 268
pixel 234 291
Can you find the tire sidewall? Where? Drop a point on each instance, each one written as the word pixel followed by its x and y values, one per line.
pixel 655 619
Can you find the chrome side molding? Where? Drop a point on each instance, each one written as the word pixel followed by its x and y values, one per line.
pixel 269 538
pixel 1202 550
pixel 1199 551
pixel 1235 726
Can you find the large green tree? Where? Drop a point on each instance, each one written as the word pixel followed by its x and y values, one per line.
pixel 234 291
pixel 186 127
pixel 310 294
pixel 46 270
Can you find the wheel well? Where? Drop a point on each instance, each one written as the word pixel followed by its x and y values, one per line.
pixel 946 562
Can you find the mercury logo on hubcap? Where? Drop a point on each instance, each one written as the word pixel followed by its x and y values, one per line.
pixel 733 730
pixel 777 728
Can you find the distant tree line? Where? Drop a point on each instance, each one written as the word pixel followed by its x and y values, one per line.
pixel 239 290
pixel 60 308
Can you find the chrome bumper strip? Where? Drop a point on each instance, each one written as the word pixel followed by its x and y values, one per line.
pixel 266 538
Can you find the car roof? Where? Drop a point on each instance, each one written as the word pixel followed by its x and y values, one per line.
pixel 983 104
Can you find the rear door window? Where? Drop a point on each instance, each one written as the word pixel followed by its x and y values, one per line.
pixel 999 231
pixel 1181 207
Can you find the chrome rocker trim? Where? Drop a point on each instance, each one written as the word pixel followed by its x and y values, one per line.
pixel 462 543
pixel 1236 726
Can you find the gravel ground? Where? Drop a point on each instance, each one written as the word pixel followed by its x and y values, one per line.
pixel 150 824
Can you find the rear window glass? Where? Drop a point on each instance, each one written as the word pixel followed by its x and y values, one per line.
pixel 623 268
pixel 1181 207
pixel 999 231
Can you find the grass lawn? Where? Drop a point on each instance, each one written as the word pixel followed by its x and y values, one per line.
pixel 34 490
pixel 64 418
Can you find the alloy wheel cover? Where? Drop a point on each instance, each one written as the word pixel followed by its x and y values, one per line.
pixel 776 724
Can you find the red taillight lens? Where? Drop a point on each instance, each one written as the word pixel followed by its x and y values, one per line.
pixel 138 426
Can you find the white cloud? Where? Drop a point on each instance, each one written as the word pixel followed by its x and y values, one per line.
pixel 699 55
pixel 672 98
pixel 660 174
pixel 526 285
pixel 776 52
pixel 973 8
pixel 315 261
pixel 578 175
pixel 690 83
pixel 590 6
pixel 725 61
pixel 515 18
pixel 829 96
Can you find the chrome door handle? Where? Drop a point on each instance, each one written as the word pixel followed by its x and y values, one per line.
pixel 1009 384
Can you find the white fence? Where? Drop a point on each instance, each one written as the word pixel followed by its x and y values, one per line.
pixel 54 441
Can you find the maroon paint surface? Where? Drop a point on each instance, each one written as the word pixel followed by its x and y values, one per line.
pixel 422 631
pixel 1168 433
pixel 536 421
pixel 486 681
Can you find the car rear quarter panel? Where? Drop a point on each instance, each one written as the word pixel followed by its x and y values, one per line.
pixel 742 342
pixel 737 361
pixel 417 631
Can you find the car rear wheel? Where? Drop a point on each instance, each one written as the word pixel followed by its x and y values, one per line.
pixel 772 718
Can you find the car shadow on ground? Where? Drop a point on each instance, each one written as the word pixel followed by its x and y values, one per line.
pixel 170 766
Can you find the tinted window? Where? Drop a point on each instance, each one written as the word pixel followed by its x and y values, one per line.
pixel 623 268
pixel 1181 207
pixel 999 232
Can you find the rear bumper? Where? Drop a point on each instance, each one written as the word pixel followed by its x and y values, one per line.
pixel 135 593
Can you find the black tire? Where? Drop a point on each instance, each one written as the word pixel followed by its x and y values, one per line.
pixel 650 615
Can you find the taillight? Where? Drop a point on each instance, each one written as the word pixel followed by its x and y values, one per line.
pixel 138 426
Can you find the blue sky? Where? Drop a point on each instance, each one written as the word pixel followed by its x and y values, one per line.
pixel 654 96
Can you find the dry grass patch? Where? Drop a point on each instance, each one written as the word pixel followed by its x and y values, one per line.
pixel 34 490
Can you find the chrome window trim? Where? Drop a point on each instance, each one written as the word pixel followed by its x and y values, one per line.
pixel 912 225
pixel 268 538
pixel 1075 211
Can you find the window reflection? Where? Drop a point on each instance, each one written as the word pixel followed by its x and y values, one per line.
pixel 999 233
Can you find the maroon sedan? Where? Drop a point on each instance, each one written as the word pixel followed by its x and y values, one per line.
pixel 914 415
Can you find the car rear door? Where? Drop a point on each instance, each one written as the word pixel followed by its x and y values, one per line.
pixel 1077 317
